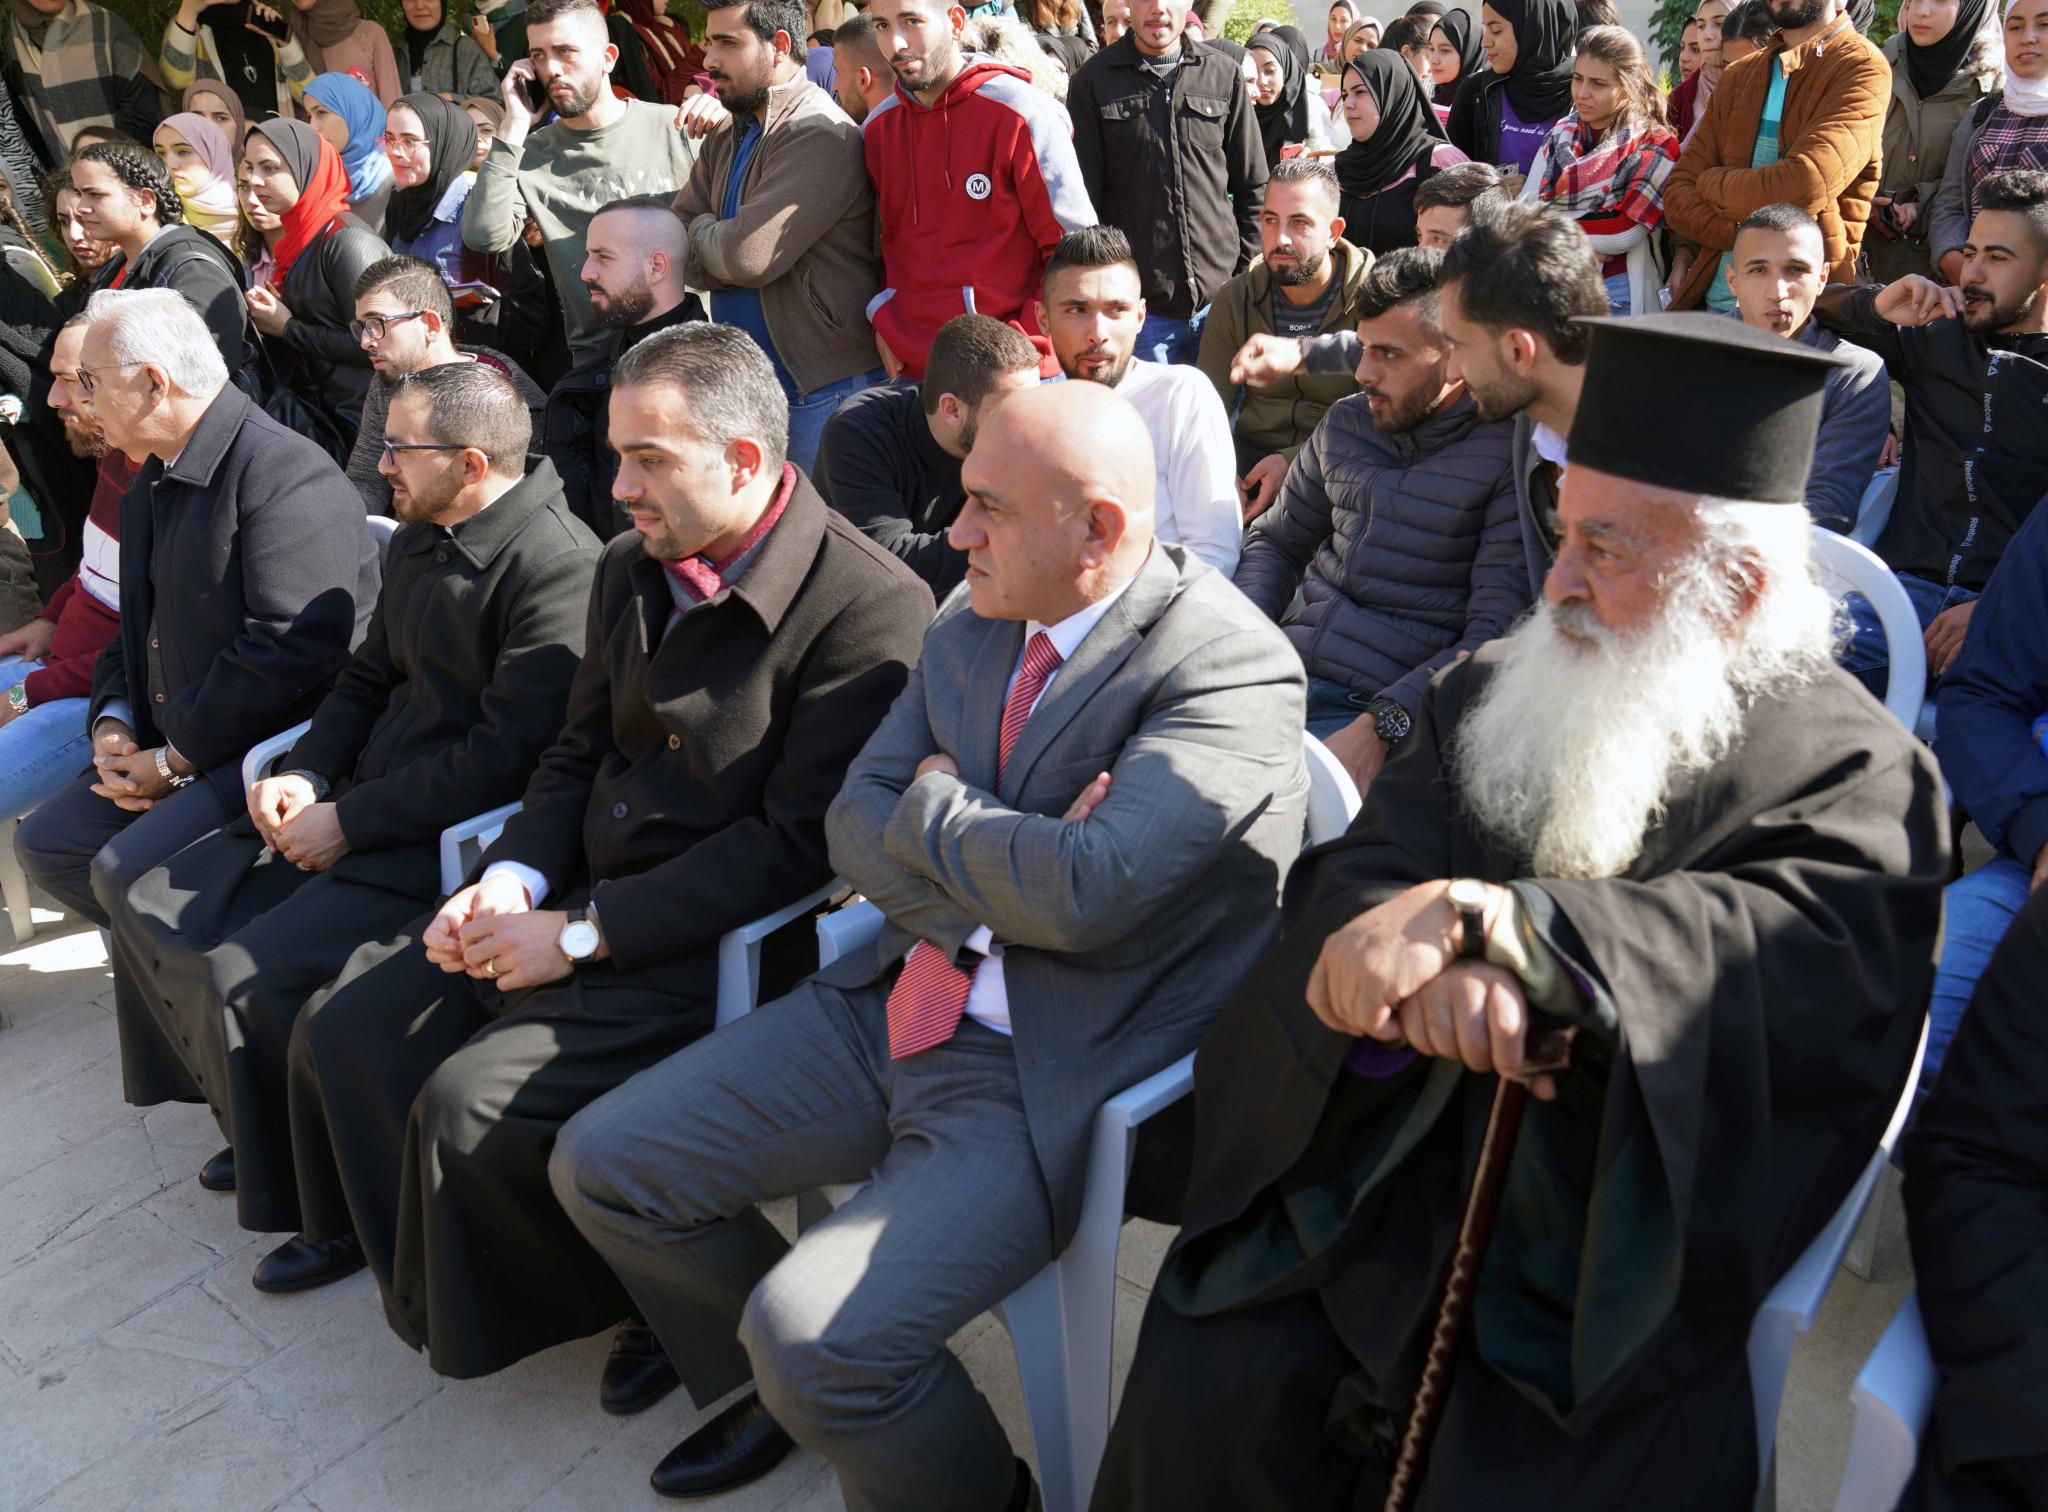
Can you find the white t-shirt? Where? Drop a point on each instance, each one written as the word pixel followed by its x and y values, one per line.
pixel 1196 505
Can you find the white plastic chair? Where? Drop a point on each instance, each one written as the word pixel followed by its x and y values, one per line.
pixel 264 756
pixel 1894 1396
pixel 382 529
pixel 1795 1301
pixel 1874 510
pixel 14 886
pixel 1842 567
pixel 739 950
pixel 1061 1321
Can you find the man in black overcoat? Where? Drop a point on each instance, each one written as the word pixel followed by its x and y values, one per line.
pixel 1655 811
pixel 461 683
pixel 743 643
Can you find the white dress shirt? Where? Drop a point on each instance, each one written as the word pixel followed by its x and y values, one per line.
pixel 988 1000
pixel 1196 502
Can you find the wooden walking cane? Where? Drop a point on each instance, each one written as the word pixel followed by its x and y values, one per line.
pixel 1549 1050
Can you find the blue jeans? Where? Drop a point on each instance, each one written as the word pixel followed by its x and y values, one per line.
pixel 1866 656
pixel 42 751
pixel 807 416
pixel 1979 908
pixel 1172 338
pixel 1332 706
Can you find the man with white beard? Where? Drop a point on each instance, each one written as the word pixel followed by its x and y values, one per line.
pixel 1654 811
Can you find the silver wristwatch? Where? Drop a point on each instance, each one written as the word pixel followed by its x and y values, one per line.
pixel 163 768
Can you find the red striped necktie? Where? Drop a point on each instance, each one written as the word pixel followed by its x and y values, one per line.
pixel 931 992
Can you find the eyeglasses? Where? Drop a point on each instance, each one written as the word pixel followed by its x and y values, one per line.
pixel 87 382
pixel 405 144
pixel 374 326
pixel 393 448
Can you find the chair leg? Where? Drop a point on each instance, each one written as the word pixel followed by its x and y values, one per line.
pixel 1032 1315
pixel 1862 1253
pixel 1062 1324
pixel 14 886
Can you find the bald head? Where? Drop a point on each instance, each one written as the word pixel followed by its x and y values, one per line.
pixel 633 260
pixel 1059 502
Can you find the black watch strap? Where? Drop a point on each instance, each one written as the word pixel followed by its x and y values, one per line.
pixel 1390 721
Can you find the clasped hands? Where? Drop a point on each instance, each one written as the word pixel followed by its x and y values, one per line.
pixel 291 820
pixel 1393 975
pixel 491 931
pixel 128 775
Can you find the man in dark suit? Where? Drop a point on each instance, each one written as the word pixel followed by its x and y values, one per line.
pixel 742 644
pixel 889 459
pixel 247 572
pixel 1075 819
pixel 460 685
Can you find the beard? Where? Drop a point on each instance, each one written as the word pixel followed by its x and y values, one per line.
pixel 736 100
pixel 625 309
pixel 85 441
pixel 1108 377
pixel 1302 270
pixel 425 506
pixel 1983 312
pixel 1791 15
pixel 1568 755
pixel 1411 410
pixel 1502 397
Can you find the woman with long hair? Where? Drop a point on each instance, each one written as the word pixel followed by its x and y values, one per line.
pixel 1606 163
pixel 202 166
pixel 343 110
pixel 2007 129
pixel 1454 55
pixel 309 252
pixel 1505 115
pixel 1396 144
pixel 1290 110
pixel 1946 56
pixel 84 254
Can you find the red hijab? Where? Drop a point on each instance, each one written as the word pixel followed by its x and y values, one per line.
pixel 323 190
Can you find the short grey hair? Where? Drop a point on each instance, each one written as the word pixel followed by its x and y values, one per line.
pixel 159 328
pixel 728 379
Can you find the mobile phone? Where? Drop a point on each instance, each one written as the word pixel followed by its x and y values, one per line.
pixel 271 26
pixel 535 95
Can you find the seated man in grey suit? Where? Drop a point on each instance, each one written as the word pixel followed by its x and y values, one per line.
pixel 1076 818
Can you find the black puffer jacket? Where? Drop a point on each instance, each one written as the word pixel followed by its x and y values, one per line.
pixel 1407 549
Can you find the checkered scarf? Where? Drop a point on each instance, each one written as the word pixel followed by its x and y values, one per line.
pixel 1623 175
pixel 70 78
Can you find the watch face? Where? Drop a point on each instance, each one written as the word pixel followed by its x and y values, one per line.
pixel 1466 893
pixel 579 940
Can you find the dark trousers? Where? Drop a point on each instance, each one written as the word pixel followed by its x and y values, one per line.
pixel 227 940
pixel 424 1107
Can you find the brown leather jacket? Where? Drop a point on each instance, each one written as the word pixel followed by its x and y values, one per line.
pixel 1836 93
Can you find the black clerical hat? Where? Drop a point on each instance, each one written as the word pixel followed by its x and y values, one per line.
pixel 1701 403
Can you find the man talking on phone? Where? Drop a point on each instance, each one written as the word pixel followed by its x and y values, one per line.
pixel 597 149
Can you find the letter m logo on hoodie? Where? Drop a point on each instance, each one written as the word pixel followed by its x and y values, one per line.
pixel 973 194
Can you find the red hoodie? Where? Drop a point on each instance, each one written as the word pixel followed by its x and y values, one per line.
pixel 973 195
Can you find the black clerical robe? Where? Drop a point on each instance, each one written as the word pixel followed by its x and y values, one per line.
pixel 1977 1211
pixel 1754 984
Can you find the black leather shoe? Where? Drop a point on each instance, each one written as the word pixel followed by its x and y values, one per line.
pixel 300 1264
pixel 741 1444
pixel 218 1174
pixel 638 1374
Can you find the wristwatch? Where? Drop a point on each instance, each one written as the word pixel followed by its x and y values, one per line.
pixel 17 698
pixel 1390 721
pixel 1470 897
pixel 579 938
pixel 166 771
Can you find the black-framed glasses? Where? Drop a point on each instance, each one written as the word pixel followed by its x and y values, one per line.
pixel 393 448
pixel 374 326
pixel 87 382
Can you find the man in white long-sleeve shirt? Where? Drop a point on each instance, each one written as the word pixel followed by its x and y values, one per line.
pixel 1092 309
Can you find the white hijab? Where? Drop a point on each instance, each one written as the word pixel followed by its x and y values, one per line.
pixel 2024 97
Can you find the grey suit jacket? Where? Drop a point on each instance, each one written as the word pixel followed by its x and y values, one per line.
pixel 1125 931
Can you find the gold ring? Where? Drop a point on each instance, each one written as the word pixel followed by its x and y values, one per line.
pixel 491 967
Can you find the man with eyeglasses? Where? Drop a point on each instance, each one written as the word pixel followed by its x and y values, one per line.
pixel 461 683
pixel 405 323
pixel 247 573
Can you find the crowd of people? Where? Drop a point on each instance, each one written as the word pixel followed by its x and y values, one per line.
pixel 972 461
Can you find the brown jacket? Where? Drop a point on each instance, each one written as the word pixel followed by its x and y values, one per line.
pixel 1836 94
pixel 804 235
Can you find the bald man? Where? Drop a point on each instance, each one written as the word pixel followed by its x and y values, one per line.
pixel 634 253
pixel 1075 820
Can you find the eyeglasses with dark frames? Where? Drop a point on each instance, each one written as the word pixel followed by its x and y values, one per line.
pixel 374 326
pixel 87 382
pixel 393 448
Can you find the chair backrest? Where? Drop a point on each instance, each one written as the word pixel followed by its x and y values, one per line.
pixel 1843 567
pixel 1332 796
pixel 382 529
pixel 462 844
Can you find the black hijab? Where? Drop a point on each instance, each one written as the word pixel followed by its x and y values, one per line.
pixel 451 147
pixel 1463 34
pixel 1932 69
pixel 1540 84
pixel 417 41
pixel 1408 131
pixel 1302 53
pixel 1287 118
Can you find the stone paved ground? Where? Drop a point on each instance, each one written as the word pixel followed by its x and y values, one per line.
pixel 140 1372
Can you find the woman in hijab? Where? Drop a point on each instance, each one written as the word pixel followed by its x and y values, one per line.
pixel 1454 55
pixel 1687 105
pixel 311 250
pixel 2008 129
pixel 1505 116
pixel 1396 144
pixel 488 114
pixel 1289 112
pixel 337 39
pixel 432 143
pixel 1945 57
pixel 438 58
pixel 222 106
pixel 344 111
pixel 202 168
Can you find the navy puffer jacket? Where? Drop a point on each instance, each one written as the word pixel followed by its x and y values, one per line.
pixel 1407 548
